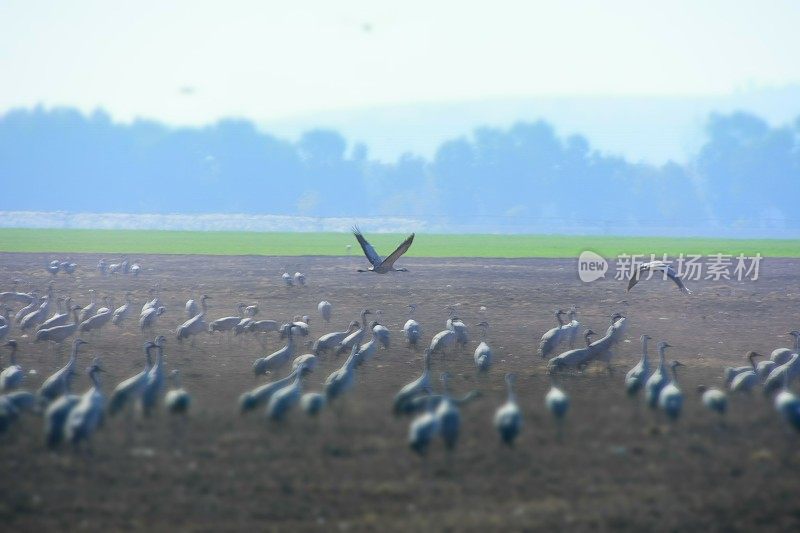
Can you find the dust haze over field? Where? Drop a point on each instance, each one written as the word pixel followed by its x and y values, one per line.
pixel 351 469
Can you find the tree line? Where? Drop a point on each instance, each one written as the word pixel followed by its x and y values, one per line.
pixel 746 174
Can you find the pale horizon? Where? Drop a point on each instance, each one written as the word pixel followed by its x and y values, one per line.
pixel 191 64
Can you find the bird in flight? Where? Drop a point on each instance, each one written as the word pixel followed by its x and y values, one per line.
pixel 659 266
pixel 379 265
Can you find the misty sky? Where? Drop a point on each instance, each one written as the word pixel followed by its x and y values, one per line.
pixel 190 62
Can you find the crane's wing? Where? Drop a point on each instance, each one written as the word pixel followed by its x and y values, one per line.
pixel 637 273
pixel 661 266
pixel 671 274
pixel 369 251
pixel 403 248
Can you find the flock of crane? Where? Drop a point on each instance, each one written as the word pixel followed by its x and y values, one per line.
pixel 74 418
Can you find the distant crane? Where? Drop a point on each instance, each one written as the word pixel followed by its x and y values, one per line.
pixel 312 403
pixel 154 383
pixel 341 380
pixel 177 400
pixel 569 331
pixel 84 419
pixel 552 337
pixel 781 355
pixel 196 324
pixel 745 381
pixel 122 312
pixel 129 391
pixel 415 388
pixel 329 341
pixel 11 377
pixel 59 334
pixel 355 337
pixel 378 264
pixel 56 383
pixel 732 372
pixel 670 399
pixel 155 301
pixel 782 373
pixel 457 326
pixel 88 309
pixel 55 416
pixel 60 317
pixel 261 394
pixel 448 416
pixel 278 358
pixel 285 398
pixel 508 418
pixel 713 399
pixel 324 308
pixel 658 379
pixel 422 431
pixel 5 322
pixel 148 318
pixel 227 323
pixel 788 405
pixel 483 354
pixel 572 359
pixel 657 266
pixel 636 376
pixel 557 402
pixel 412 329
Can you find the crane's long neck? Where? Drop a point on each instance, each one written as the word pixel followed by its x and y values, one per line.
pixel 559 319
pixel 675 374
pixel 73 357
pixel 796 343
pixel 93 375
pixel 644 359
pixel 203 305
pixel 148 358
pixel 427 361
pixel 511 396
pixel 363 320
pixel 159 355
pixel 351 361
pixel 661 356
pixel 13 356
